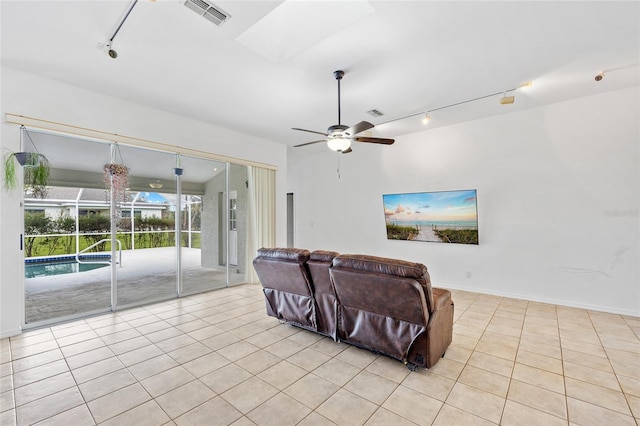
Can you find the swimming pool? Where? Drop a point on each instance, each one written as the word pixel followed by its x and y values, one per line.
pixel 43 267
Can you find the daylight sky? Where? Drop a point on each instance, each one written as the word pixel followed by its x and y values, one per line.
pixel 440 206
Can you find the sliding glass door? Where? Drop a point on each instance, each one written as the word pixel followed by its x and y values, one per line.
pixel 203 243
pixel 146 222
pixel 67 231
pixel 237 223
pixel 143 226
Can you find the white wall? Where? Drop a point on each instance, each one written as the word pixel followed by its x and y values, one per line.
pixel 34 96
pixel 558 201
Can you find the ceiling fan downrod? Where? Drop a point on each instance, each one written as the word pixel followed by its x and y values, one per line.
pixel 338 75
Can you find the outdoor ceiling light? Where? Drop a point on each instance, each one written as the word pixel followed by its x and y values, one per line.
pixel 156 184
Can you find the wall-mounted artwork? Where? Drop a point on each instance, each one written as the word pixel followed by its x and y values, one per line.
pixel 442 217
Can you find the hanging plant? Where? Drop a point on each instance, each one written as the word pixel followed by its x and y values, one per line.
pixel 36 168
pixel 116 175
pixel 37 173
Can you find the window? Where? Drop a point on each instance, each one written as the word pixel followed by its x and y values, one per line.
pixel 127 213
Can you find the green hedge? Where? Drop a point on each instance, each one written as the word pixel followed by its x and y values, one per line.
pixel 149 233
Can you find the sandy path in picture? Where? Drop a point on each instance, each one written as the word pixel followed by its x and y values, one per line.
pixel 427 234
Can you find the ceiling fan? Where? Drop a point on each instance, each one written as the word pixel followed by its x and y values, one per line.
pixel 339 137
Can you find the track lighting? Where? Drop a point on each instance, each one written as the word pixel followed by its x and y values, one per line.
pixel 600 76
pixel 506 100
pixel 107 46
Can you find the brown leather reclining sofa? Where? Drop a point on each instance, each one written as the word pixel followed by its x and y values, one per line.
pixel 384 305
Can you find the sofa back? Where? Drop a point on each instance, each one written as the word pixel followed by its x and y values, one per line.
pixel 375 294
pixel 319 263
pixel 287 285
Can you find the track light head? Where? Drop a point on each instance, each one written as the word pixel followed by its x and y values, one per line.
pixel 106 48
pixel 505 100
pixel 426 119
pixel 599 76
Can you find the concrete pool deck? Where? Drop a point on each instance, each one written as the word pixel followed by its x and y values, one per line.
pixel 145 275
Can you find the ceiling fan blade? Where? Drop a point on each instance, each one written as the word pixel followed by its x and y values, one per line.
pixel 375 140
pixel 309 143
pixel 357 128
pixel 309 131
pixel 346 151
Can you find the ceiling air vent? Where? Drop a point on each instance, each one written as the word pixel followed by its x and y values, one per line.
pixel 207 11
pixel 375 113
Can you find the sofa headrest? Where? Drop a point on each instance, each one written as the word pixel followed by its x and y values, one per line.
pixel 382 265
pixel 323 255
pixel 290 254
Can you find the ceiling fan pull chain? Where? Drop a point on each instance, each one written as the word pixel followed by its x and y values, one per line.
pixel 338 166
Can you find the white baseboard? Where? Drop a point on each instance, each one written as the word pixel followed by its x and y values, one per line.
pixel 599 308
pixel 10 333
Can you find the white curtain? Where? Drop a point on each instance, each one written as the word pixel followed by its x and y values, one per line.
pixel 261 215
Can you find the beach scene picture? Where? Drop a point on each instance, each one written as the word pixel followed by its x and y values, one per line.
pixel 441 217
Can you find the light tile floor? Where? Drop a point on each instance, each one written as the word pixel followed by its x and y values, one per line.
pixel 217 358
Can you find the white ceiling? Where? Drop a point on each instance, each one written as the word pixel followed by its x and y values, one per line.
pixel 400 57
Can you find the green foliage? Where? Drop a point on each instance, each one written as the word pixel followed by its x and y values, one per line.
pixel 95 226
pixel 195 239
pixel 10 178
pixel 94 223
pixel 66 225
pixel 150 233
pixel 34 224
pixel 37 173
pixel 461 236
pixel 401 232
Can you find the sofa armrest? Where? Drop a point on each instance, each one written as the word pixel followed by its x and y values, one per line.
pixel 441 298
pixel 440 328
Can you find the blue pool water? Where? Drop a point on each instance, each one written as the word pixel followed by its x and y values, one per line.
pixel 52 266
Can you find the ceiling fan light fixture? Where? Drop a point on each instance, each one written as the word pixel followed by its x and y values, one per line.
pixel 339 144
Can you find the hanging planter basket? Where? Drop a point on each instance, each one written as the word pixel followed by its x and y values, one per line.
pixel 35 167
pixel 116 176
pixel 22 158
